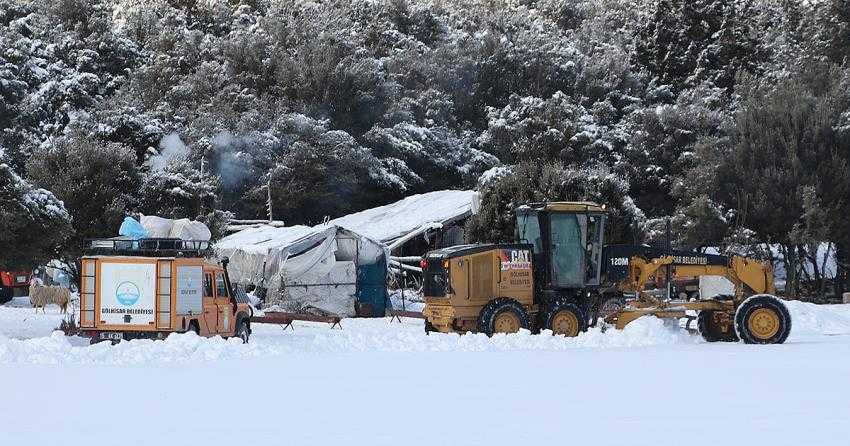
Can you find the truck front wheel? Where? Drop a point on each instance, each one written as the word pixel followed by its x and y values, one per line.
pixel 5 294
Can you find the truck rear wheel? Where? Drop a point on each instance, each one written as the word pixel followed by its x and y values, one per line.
pixel 5 294
pixel 193 327
pixel 712 328
pixel 503 315
pixel 564 318
pixel 242 331
pixel 763 319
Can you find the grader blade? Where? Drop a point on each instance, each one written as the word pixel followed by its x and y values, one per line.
pixel 663 310
pixel 624 317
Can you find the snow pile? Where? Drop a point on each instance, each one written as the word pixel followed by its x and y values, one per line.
pixel 808 319
pixel 19 320
pixel 358 335
pixel 362 335
pixel 60 349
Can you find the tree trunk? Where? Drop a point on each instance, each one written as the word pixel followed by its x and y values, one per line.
pixel 789 259
pixel 842 278
pixel 824 279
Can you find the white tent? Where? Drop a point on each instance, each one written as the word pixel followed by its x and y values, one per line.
pixel 304 269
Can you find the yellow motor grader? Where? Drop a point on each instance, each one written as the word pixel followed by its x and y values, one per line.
pixel 559 276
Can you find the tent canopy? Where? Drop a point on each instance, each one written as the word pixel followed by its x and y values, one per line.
pixel 389 222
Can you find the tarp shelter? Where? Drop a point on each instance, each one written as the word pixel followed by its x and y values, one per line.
pixel 333 265
pixel 326 268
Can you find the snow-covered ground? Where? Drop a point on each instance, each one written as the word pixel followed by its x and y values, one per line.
pixel 376 382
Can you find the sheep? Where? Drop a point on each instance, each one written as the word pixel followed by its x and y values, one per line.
pixel 41 295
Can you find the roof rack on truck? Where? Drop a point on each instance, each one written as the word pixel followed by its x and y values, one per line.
pixel 146 247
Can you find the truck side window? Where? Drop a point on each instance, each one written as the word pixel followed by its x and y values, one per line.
pixel 220 288
pixel 208 285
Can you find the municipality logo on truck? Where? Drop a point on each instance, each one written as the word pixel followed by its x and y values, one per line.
pixel 127 293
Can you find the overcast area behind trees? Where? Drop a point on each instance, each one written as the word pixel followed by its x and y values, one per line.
pixel 730 118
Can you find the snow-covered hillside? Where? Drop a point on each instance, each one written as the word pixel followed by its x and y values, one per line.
pixel 388 383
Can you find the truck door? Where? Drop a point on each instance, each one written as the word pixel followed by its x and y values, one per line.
pixel 210 308
pixel 222 301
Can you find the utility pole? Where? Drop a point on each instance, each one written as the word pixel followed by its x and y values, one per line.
pixel 669 249
pixel 269 198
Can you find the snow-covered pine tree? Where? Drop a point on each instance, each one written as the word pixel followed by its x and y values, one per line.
pixel 34 222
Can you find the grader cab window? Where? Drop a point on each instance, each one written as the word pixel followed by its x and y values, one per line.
pixel 593 247
pixel 528 230
pixel 567 250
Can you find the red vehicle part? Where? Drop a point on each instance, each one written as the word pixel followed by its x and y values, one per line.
pixel 13 283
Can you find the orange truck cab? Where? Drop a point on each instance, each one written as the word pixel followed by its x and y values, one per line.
pixel 13 283
pixel 149 288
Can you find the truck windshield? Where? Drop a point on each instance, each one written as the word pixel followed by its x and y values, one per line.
pixel 528 230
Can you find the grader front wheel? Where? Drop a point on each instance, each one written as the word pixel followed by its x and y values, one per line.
pixel 763 319
pixel 503 315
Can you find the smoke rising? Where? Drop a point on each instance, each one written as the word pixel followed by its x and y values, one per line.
pixel 230 170
pixel 171 147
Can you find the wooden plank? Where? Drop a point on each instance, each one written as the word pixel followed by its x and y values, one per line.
pixel 275 317
pixel 403 313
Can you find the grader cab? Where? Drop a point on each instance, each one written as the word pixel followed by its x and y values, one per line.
pixel 540 282
pixel 558 276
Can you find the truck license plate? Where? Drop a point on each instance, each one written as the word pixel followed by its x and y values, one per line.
pixel 21 279
pixel 115 336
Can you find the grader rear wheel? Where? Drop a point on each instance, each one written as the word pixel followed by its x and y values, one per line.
pixel 715 326
pixel 565 323
pixel 506 322
pixel 763 319
pixel 564 318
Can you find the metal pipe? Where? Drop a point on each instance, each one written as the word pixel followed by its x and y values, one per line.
pixel 422 229
pixel 406 258
pixel 400 265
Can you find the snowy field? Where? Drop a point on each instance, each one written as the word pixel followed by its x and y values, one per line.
pixel 376 382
